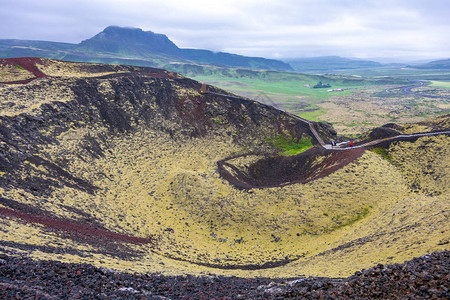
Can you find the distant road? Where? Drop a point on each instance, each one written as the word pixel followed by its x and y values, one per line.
pixel 371 143
pixel 397 137
pixel 407 89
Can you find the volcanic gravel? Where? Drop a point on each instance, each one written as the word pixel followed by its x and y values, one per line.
pixel 425 277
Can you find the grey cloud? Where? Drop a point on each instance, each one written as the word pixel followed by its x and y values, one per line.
pixel 285 28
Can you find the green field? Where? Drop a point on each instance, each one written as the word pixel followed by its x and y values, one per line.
pixel 288 91
pixel 290 84
pixel 279 90
pixel 441 84
pixel 290 95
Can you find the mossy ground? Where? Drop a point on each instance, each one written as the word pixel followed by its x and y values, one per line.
pixel 149 188
pixel 9 73
pixel 149 184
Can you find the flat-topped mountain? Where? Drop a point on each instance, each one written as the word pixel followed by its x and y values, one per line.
pixel 132 42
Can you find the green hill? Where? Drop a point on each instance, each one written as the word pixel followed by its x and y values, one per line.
pixel 436 64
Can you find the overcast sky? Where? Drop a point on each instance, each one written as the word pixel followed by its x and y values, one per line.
pixel 401 29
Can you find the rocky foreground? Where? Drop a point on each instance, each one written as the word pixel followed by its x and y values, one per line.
pixel 425 277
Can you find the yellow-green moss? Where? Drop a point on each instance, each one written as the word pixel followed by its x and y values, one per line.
pixel 148 186
pixel 371 211
pixel 10 73
pixel 381 151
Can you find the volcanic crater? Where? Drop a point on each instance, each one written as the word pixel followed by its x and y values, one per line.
pixel 134 169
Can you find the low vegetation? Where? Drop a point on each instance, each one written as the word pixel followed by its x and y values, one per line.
pixel 291 145
pixel 381 151
pixel 321 85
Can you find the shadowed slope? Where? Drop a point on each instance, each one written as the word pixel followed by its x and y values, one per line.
pixel 278 171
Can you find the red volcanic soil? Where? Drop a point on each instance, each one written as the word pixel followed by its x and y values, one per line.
pixel 29 64
pixel 277 171
pixel 73 227
pixel 88 230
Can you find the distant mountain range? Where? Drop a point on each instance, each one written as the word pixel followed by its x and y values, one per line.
pixel 133 46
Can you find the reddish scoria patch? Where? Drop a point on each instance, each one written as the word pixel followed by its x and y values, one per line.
pixel 278 171
pixel 29 64
pixel 75 228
